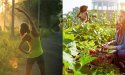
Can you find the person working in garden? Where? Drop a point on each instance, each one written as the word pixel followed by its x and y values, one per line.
pixel 119 43
pixel 35 53
pixel 83 14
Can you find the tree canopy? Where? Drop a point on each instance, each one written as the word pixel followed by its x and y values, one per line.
pixel 49 11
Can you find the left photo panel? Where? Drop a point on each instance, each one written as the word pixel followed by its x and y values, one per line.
pixel 30 37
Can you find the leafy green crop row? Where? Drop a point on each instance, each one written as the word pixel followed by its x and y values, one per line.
pixel 78 39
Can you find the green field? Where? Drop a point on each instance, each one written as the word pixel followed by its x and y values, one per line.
pixel 78 39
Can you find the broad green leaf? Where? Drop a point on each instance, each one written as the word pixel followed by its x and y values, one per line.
pixel 68 60
pixel 86 59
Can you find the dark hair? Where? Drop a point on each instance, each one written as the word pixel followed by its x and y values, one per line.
pixel 24 28
pixel 83 8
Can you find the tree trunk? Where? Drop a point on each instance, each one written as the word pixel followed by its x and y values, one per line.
pixel 12 26
pixel 5 15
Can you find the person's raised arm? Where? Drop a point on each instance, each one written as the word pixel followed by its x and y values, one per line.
pixel 34 29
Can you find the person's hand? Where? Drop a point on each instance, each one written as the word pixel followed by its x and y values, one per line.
pixel 106 45
pixel 26 52
pixel 109 47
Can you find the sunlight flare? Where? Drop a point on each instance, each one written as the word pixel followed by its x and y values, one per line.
pixel 13 62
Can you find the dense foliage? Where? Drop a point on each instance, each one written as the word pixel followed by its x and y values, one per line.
pixel 10 56
pixel 78 39
pixel 49 12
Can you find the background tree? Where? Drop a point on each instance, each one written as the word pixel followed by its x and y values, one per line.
pixel 12 26
pixel 48 12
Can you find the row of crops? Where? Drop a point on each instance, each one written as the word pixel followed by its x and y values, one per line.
pixel 78 39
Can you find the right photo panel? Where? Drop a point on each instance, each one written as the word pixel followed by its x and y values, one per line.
pixel 93 37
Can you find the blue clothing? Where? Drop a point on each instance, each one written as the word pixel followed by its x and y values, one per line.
pixel 120 45
pixel 119 53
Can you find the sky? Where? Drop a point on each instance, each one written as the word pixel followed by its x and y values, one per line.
pixel 68 5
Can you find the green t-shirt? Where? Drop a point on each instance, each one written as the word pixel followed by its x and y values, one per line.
pixel 35 47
